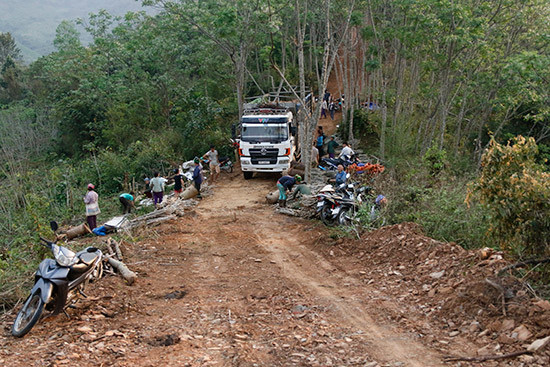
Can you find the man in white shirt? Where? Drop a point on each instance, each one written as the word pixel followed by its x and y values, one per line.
pixel 314 156
pixel 214 163
pixel 157 186
pixel 346 152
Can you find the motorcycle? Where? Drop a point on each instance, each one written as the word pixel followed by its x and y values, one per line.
pixel 350 206
pixel 339 206
pixel 333 163
pixel 328 204
pixel 225 164
pixel 58 283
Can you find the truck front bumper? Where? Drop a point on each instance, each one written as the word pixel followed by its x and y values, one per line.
pixel 282 164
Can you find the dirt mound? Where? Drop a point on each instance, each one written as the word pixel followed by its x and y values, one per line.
pixel 458 290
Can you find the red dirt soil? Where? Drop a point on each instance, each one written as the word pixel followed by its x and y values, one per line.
pixel 232 283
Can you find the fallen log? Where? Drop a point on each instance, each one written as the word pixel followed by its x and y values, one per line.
pixel 128 275
pixel 117 249
pixel 486 358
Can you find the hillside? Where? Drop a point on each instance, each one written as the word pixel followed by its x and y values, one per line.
pixel 32 23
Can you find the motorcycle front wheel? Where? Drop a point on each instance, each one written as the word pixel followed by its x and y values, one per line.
pixel 345 217
pixel 28 316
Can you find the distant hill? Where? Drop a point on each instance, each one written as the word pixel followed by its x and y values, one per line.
pixel 33 22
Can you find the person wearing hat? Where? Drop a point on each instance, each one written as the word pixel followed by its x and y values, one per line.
pixel 197 176
pixel 92 206
pixel 285 184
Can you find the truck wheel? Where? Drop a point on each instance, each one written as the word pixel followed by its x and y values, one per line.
pixel 248 175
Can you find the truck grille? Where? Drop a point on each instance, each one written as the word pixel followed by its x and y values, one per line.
pixel 264 155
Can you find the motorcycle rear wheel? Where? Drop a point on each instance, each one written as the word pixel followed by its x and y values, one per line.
pixel 28 316
pixel 326 216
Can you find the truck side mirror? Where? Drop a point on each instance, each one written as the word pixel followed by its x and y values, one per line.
pixel 233 131
pixel 293 130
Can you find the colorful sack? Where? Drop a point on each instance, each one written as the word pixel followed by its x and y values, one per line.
pixel 92 209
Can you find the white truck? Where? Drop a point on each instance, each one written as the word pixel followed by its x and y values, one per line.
pixel 266 135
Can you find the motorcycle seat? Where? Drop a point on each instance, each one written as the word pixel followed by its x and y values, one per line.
pixel 88 257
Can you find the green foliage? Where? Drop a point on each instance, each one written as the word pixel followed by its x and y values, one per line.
pixel 439 208
pixel 363 125
pixel 435 160
pixel 517 191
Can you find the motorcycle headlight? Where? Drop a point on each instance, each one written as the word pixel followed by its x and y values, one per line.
pixel 64 256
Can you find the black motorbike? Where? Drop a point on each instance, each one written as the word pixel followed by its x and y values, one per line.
pixel 350 205
pixel 58 283
pixel 333 163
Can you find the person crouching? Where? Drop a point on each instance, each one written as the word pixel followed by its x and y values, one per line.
pixel 285 184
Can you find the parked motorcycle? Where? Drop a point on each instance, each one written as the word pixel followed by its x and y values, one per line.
pixel 350 205
pixel 58 283
pixel 333 163
pixel 225 164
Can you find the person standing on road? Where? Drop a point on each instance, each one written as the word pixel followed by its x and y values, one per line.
pixel 320 141
pixel 157 186
pixel 285 184
pixel 178 182
pixel 332 109
pixel 147 192
pixel 214 163
pixel 197 176
pixel 127 201
pixel 331 147
pixel 324 107
pixel 314 156
pixel 92 207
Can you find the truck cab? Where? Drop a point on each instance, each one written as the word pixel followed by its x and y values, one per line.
pixel 266 140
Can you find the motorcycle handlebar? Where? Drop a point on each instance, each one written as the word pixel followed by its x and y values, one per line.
pixel 48 243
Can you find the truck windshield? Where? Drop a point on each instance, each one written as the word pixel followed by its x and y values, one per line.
pixel 264 133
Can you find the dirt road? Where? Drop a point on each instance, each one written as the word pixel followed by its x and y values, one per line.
pixel 231 283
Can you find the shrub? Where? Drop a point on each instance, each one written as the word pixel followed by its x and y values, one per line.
pixel 435 160
pixel 517 191
pixel 439 207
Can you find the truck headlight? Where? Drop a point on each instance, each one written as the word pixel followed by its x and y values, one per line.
pixel 245 161
pixel 283 161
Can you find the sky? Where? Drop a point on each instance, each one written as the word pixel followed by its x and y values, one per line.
pixel 32 23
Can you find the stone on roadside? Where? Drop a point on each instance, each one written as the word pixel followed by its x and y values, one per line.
pixel 539 344
pixel 507 324
pixel 437 274
pixel 543 304
pixel 521 333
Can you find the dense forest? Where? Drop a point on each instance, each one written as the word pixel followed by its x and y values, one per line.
pixel 462 117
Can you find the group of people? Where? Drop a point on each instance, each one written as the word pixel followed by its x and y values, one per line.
pixel 286 183
pixel 330 104
pixel 154 188
pixel 318 150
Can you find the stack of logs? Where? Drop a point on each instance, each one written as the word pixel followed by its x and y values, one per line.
pixel 172 208
pixel 113 257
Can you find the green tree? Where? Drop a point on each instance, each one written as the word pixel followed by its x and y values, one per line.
pixel 8 49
